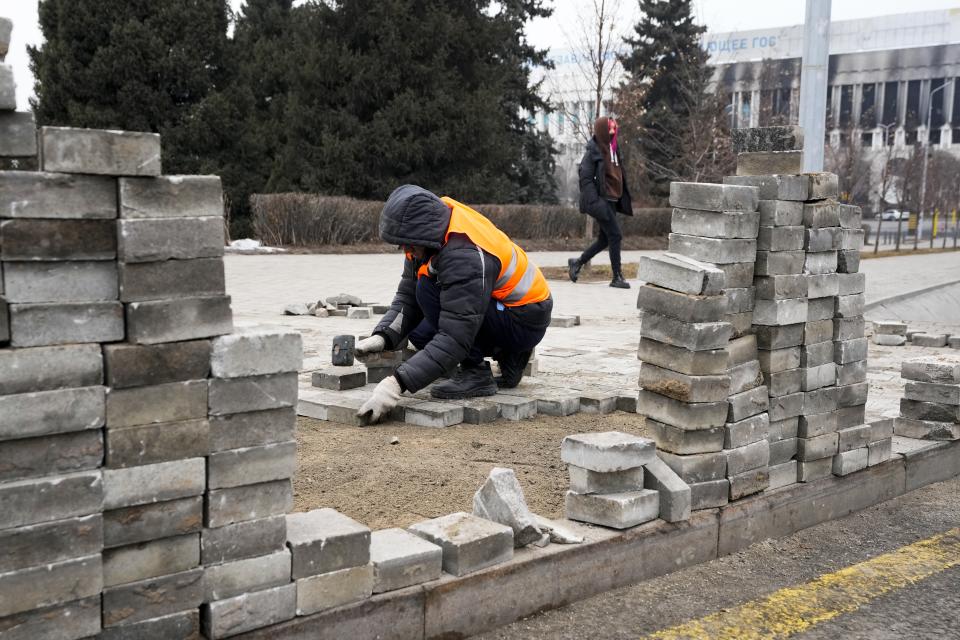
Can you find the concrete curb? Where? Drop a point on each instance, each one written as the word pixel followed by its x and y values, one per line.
pixel 906 296
pixel 541 579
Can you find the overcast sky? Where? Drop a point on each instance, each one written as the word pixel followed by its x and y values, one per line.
pixel 718 15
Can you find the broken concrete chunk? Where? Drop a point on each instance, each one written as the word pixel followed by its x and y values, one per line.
pixel 500 499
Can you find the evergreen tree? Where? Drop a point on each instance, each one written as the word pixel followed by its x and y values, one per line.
pixel 130 64
pixel 667 110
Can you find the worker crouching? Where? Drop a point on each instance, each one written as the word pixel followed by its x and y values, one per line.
pixel 467 292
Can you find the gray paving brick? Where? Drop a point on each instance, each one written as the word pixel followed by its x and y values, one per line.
pixel 140 523
pixel 53 240
pixel 250 502
pixel 178 320
pixel 143 281
pixel 151 598
pixel 159 442
pixel 25 415
pixel 153 483
pixel 50 584
pixel 131 365
pixel 243 540
pixel 469 543
pixel 615 510
pixel 35 194
pixel 249 611
pixel 46 324
pixel 152 559
pixel 50 455
pixel 49 542
pixel 170 402
pixel 171 197
pixel 237 577
pixel 78 281
pixel 255 393
pixel 401 559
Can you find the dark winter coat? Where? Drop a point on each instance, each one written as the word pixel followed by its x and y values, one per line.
pixel 593 199
pixel 466 275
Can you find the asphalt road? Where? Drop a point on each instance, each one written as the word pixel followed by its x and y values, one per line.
pixel 929 608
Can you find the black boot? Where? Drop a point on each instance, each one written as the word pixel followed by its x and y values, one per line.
pixel 511 368
pixel 473 382
pixel 618 282
pixel 573 268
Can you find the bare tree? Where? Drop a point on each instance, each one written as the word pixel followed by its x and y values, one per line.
pixel 848 161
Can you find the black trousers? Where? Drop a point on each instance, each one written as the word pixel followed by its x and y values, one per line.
pixel 609 238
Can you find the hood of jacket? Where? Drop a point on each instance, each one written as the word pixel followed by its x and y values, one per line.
pixel 414 216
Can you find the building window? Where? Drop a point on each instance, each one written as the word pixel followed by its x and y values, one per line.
pixel 744 109
pixel 829 107
pixel 956 136
pixel 911 137
pixel 866 138
pixel 868 100
pixel 890 103
pixel 590 111
pixel 546 122
pixel 846 106
pixel 937 116
pixel 781 105
pixel 912 118
pixel 934 136
pixel 955 119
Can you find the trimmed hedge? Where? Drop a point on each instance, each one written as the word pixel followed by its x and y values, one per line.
pixel 309 220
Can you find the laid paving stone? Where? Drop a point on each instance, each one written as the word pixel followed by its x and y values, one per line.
pixel 747 403
pixel 401 559
pixel 713 197
pixel 783 451
pixel 501 500
pixel 810 470
pixel 779 337
pixel 607 452
pixel 564 321
pixel 851 283
pixel 160 442
pixel 52 584
pixel 334 589
pixel 680 273
pixel 50 455
pixel 782 475
pixel 682 360
pixel 744 377
pixel 137 601
pixel 128 365
pixel 848 462
pixel 701 415
pixel 715 224
pixel 561 403
pixel 683 441
pixel 79 281
pixel 713 250
pixel 824 446
pixel 879 451
pixel 681 386
pixel 255 393
pixel 710 494
pixel 853 438
pixel 469 543
pixel 250 465
pixel 250 502
pixel 931 392
pixel 483 412
pixel 359 313
pixel 171 197
pixel 321 405
pixel 780 213
pixel 930 339
pixel 780 312
pixel 819 309
pixel 144 281
pixel 779 263
pixel 513 407
pixel 811 425
pixel 848 328
pixel 150 559
pixel 696 468
pixel 25 415
pixel 820 262
pixel 243 540
pixel 940 369
pixel 141 523
pixel 775 187
pixel 184 624
pixel 889 340
pixel 54 240
pixel 249 611
pixel 237 577
pixel 178 320
pixel 615 510
pixel 153 483
pixel 324 540
pixel 749 482
pixel 36 194
pixel 340 378
pixel 46 324
pixel 433 414
pixel 376 374
pixel 697 336
pixel 780 238
pixel 170 402
pixel 586 481
pixel 682 306
pixel 926 429
pixel 93 151
pixel 747 431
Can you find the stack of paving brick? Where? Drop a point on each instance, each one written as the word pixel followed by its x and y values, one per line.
pixel 890 333
pixel 854 436
pixel 930 407
pixel 144 468
pixel 711 424
pixel 616 480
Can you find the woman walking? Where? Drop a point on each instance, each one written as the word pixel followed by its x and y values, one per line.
pixel 603 193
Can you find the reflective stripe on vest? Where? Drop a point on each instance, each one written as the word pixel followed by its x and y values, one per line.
pixel 520 281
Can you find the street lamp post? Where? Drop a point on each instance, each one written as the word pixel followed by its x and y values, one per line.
pixel 923 175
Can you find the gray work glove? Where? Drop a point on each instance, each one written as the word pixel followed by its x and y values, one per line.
pixel 385 397
pixel 373 344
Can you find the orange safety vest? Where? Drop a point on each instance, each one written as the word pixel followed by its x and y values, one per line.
pixel 520 281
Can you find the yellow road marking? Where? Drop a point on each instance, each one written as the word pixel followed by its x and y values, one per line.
pixel 794 609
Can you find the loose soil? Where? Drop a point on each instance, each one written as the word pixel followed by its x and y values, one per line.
pixel 433 472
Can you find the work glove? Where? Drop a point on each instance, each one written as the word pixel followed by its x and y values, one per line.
pixel 373 344
pixel 385 397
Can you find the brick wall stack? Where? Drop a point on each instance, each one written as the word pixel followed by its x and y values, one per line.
pixel 146 450
pixel 930 407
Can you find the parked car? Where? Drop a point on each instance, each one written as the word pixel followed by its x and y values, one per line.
pixel 893 214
